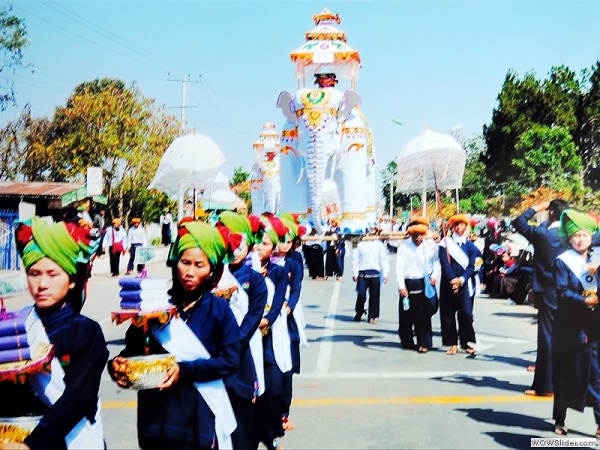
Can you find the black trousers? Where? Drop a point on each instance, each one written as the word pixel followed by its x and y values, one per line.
pixel 244 411
pixel 115 260
pixel 542 380
pixel 453 306
pixel 269 408
pixel 415 317
pixel 371 283
pixel 132 250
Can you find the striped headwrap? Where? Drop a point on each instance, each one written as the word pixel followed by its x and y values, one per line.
pixel 572 221
pixel 65 243
pixel 199 235
pixel 274 228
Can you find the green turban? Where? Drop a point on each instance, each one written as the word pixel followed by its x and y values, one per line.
pixel 290 223
pixel 237 223
pixel 64 243
pixel 274 228
pixel 572 221
pixel 199 235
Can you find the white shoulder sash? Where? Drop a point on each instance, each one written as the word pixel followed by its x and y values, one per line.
pixel 279 332
pixel 239 304
pixel 297 313
pixel 455 252
pixel 49 387
pixel 577 265
pixel 180 341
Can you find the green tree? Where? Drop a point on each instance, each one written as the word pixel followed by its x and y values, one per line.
pixel 239 182
pixel 12 158
pixel 550 159
pixel 13 40
pixel 587 135
pixel 107 124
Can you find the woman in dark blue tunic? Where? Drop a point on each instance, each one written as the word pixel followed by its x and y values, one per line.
pixel 179 414
pixel 247 383
pixel 294 266
pixel 576 332
pixel 56 258
pixel 277 358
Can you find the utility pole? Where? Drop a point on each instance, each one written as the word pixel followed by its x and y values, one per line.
pixel 183 106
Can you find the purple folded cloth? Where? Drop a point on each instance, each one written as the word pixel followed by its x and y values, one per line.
pixel 139 295
pixel 19 322
pixel 135 283
pixel 16 354
pixel 14 341
pixel 146 305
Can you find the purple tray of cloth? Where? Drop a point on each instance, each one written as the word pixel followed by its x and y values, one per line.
pixel 138 295
pixel 135 283
pixel 17 322
pixel 15 354
pixel 14 341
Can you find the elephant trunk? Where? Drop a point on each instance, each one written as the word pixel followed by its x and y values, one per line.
pixel 271 196
pixel 316 163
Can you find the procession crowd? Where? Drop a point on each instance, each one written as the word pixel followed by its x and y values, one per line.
pixel 236 337
pixel 238 325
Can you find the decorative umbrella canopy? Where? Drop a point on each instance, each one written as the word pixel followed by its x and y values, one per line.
pixel 429 160
pixel 221 199
pixel 191 162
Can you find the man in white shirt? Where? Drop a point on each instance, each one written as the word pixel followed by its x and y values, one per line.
pixel 166 220
pixel 136 237
pixel 369 264
pixel 417 263
pixel 115 244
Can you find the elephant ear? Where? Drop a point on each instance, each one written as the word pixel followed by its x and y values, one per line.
pixel 350 99
pixel 286 104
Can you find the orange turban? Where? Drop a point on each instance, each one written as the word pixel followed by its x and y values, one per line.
pixel 421 220
pixel 458 218
pixel 417 228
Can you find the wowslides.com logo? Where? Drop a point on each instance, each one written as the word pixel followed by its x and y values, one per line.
pixel 564 442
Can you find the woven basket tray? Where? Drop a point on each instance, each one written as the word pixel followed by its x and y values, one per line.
pixel 147 372
pixel 16 429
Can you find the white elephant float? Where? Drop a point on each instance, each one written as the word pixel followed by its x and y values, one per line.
pixel 265 181
pixel 326 136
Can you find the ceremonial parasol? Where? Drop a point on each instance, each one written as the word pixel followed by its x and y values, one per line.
pixel 431 161
pixel 190 163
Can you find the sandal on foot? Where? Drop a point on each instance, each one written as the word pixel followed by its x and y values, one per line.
pixel 531 368
pixel 470 350
pixel 453 350
pixel 373 321
pixel 422 349
pixel 561 430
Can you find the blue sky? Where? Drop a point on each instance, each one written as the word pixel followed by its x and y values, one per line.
pixel 423 61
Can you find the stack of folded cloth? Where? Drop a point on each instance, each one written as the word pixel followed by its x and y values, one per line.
pixel 18 336
pixel 145 294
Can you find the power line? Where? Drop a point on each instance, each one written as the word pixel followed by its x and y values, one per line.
pixel 104 33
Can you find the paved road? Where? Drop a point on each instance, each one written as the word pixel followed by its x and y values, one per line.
pixel 358 389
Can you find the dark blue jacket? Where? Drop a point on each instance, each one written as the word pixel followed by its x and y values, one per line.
pixel 243 382
pixel 279 276
pixel 451 269
pixel 295 267
pixel 80 347
pixel 547 246
pixel 180 413
pixel 575 331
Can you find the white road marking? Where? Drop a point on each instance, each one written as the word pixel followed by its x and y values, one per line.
pixel 422 374
pixel 322 366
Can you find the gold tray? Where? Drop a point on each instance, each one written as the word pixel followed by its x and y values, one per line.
pixel 16 429
pixel 147 372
